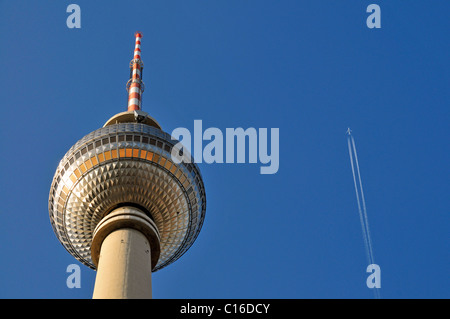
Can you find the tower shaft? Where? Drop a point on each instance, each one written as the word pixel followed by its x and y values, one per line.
pixel 124 267
pixel 125 247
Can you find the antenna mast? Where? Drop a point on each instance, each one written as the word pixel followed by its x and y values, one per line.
pixel 135 86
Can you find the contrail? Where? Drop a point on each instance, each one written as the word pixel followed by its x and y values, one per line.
pixel 361 208
pixel 361 217
pixel 366 221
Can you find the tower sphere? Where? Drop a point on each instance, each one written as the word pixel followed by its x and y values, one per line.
pixel 127 163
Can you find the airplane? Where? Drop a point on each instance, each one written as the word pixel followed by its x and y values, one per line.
pixel 349 131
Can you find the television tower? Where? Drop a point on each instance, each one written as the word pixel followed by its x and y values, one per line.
pixel 120 204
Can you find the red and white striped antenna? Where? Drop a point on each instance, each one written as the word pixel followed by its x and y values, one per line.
pixel 135 86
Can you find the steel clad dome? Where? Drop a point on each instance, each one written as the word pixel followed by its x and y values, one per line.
pixel 126 164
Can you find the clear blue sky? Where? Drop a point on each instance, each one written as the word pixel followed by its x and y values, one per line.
pixel 310 68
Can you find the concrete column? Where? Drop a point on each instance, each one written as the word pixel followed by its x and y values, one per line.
pixel 125 249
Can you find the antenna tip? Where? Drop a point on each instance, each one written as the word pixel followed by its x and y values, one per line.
pixel 138 34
